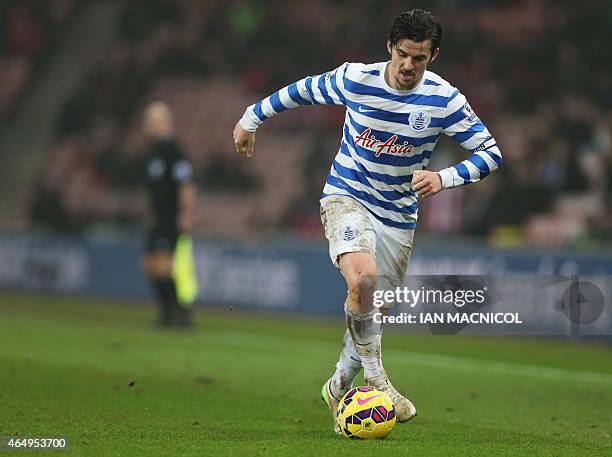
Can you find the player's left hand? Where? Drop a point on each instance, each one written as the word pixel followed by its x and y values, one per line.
pixel 426 183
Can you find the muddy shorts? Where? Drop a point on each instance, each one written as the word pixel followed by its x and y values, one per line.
pixel 350 227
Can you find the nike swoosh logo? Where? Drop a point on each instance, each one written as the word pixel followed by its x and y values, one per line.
pixel 363 401
pixel 361 110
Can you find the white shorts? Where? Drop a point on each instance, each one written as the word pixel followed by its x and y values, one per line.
pixel 350 227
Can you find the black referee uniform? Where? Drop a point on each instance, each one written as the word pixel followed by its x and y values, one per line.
pixel 167 170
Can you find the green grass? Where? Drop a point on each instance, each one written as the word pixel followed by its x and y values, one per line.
pixel 247 384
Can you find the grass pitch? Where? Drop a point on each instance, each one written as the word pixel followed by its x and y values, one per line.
pixel 248 385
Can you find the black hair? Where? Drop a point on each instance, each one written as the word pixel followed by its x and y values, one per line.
pixel 416 25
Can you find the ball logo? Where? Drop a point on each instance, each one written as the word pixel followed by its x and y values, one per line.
pixel 419 120
pixel 348 233
pixel 363 401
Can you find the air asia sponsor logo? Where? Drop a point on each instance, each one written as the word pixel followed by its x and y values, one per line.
pixel 368 141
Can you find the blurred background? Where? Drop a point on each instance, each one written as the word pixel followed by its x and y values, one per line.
pixel 79 356
pixel 75 76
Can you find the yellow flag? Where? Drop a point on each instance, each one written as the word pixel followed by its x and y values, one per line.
pixel 184 272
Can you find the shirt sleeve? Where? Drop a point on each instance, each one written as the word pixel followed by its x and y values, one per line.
pixel 464 126
pixel 182 171
pixel 312 90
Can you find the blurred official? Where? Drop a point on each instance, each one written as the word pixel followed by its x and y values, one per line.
pixel 172 201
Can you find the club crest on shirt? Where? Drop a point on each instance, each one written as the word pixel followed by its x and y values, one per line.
pixel 419 120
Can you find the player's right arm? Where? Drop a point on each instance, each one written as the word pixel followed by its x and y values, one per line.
pixel 313 90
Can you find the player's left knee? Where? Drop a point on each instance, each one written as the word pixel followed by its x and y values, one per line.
pixel 361 288
pixel 361 281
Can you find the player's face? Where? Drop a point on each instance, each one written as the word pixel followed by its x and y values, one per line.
pixel 409 60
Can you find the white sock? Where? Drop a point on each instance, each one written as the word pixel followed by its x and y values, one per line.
pixel 367 336
pixel 347 368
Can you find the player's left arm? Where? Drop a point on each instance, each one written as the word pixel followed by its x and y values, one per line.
pixel 465 127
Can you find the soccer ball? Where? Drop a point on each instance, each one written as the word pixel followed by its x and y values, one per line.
pixel 366 413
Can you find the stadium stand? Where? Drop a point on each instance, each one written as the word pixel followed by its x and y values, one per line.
pixel 28 30
pixel 538 75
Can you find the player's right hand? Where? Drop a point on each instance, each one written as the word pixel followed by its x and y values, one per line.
pixel 244 140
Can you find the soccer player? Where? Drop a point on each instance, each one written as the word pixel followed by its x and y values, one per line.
pixel 172 201
pixel 395 113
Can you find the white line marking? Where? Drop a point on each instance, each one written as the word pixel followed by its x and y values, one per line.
pixel 276 343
